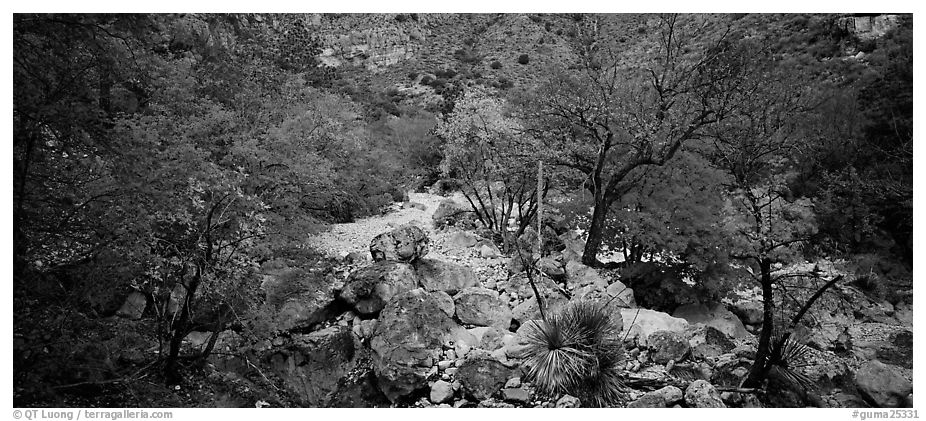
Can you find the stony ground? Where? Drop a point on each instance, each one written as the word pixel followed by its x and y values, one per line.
pixel 701 349
pixel 343 239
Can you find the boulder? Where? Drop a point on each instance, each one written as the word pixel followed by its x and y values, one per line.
pixel 461 240
pixel 407 342
pixel 708 342
pixel 299 298
pixel 445 301
pixel 574 246
pixel 749 311
pixel 701 394
pixel 493 339
pixel 310 366
pixel 623 294
pixel 518 394
pixel 661 398
pixel 551 268
pixel 441 392
pixel 482 307
pixel 568 401
pixel 879 312
pixel 667 346
pixel 134 306
pixel 889 344
pixel 882 385
pixel 356 257
pixel 407 243
pixel 580 275
pixel 414 205
pixel 640 323
pixel 520 285
pixel 196 340
pixel 438 275
pixel 489 338
pixel 448 213
pixel 369 289
pixel 715 315
pixel 528 310
pixel 461 341
pixel 482 377
pixel 904 314
pixel 730 371
pixel 488 250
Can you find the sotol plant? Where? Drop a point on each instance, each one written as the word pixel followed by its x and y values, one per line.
pixel 578 351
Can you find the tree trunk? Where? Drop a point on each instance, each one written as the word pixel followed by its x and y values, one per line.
pixel 179 330
pixel 760 367
pixel 590 254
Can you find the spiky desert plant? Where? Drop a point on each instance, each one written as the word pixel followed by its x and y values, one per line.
pixel 785 357
pixel 577 350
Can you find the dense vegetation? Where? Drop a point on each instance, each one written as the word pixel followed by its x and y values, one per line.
pixel 177 155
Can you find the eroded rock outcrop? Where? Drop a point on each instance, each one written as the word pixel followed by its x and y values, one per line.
pixel 407 342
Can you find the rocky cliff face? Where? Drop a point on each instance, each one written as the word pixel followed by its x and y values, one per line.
pixel 369 40
pixel 868 27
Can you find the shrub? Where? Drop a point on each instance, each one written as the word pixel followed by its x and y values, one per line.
pixel 523 59
pixel 427 79
pixel 578 351
pixel 496 65
pixel 446 73
pixel 467 56
pixel 412 75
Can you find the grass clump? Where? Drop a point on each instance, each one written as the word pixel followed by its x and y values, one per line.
pixel 577 351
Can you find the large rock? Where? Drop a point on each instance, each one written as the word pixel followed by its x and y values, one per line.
pixel 551 268
pixel 749 311
pixel 715 315
pixel 882 385
pixel 311 366
pixel 441 392
pixel 438 275
pixel 482 307
pixel 574 246
pixel 615 293
pixel 407 342
pixel 445 301
pixel 622 294
pixel 368 289
pixel 890 344
pixel 730 371
pixel 521 286
pixel 461 340
pixel 448 213
pixel 568 401
pixel 482 377
pixel 407 243
pixel 487 250
pixel 134 306
pixel 461 240
pixel 661 398
pixel 580 275
pixel 701 394
pixel 529 310
pixel 299 298
pixel 640 323
pixel 667 346
pixel 708 342
pixel 903 312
